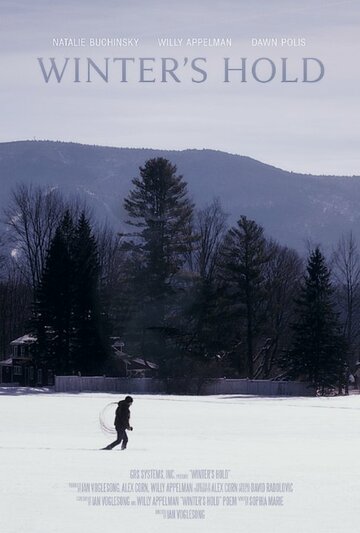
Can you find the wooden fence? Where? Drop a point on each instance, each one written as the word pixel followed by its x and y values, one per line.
pixel 182 386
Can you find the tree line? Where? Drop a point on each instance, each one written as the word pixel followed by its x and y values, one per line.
pixel 180 287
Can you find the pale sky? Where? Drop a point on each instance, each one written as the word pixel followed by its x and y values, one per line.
pixel 304 127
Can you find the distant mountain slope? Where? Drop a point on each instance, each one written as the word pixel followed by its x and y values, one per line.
pixel 292 207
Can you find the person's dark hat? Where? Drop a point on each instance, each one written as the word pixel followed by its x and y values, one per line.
pixel 128 399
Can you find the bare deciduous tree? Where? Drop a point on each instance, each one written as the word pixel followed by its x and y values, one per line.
pixel 210 229
pixel 282 273
pixel 15 300
pixel 33 216
pixel 346 273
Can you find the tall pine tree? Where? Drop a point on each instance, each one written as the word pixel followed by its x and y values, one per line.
pixel 54 304
pixel 244 255
pixel 318 351
pixel 67 312
pixel 88 343
pixel 160 210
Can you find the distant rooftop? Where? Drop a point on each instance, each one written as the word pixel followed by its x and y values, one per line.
pixel 28 338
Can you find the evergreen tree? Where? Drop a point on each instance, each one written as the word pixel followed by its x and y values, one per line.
pixel 88 343
pixel 158 206
pixel 67 318
pixel 318 351
pixel 244 254
pixel 54 305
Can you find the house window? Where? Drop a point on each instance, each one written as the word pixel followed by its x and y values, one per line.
pixel 39 377
pixel 17 370
pixel 31 373
pixel 22 351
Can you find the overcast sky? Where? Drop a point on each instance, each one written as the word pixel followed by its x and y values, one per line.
pixel 312 127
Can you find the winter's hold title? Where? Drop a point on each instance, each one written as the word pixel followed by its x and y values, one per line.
pixel 174 70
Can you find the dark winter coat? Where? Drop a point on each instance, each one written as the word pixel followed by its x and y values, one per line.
pixel 122 415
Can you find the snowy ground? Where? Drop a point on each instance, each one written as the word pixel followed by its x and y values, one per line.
pixel 50 459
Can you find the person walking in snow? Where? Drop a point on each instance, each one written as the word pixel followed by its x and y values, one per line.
pixel 122 423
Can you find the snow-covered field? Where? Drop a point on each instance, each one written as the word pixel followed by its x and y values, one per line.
pixel 54 478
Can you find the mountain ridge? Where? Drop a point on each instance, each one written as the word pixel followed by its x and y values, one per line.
pixel 293 207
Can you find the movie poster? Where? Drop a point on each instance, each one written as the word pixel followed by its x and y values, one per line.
pixel 257 106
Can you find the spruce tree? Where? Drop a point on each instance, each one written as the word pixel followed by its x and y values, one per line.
pixel 55 301
pixel 318 351
pixel 88 344
pixel 159 208
pixel 244 254
pixel 68 318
